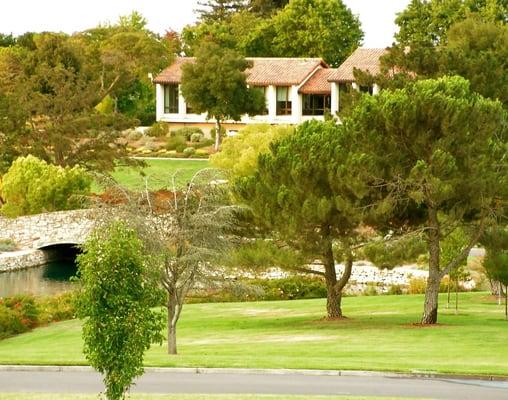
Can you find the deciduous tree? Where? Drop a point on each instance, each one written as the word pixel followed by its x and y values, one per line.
pixel 216 84
pixel 316 28
pixel 117 291
pixel 31 186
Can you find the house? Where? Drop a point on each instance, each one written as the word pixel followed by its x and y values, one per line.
pixel 296 90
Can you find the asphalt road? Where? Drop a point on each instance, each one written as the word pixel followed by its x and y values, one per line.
pixel 217 383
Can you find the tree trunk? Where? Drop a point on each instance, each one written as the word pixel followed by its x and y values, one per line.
pixel 333 298
pixel 172 304
pixel 217 134
pixel 448 298
pixel 432 291
pixel 456 296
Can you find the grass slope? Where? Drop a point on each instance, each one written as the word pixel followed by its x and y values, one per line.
pixel 378 335
pixel 158 172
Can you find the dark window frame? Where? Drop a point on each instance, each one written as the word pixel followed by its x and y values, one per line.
pixel 284 107
pixel 316 104
pixel 171 99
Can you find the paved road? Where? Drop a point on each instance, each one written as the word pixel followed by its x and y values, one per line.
pixel 184 382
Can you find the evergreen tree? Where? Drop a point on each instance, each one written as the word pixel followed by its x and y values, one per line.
pixel 301 192
pixel 437 155
pixel 219 10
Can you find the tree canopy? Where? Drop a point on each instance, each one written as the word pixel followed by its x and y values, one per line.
pixel 301 193
pixel 300 28
pixel 436 151
pixel 316 28
pixel 119 325
pixel 216 84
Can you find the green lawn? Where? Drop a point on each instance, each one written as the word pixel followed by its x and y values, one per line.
pixel 378 335
pixel 39 396
pixel 158 172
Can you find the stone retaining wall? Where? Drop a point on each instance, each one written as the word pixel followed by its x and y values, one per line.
pixel 17 260
pixel 37 231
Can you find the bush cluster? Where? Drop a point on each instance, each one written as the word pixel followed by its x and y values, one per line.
pixel 19 314
pixel 158 129
pixel 187 133
pixel 290 288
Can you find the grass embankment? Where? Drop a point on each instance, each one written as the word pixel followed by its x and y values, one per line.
pixel 378 335
pixel 39 396
pixel 158 173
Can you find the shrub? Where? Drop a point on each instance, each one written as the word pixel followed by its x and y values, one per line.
pixel 158 129
pixel 213 132
pixel 239 154
pixel 58 308
pixel 134 135
pixel 370 289
pixel 180 148
pixel 189 152
pixel 152 146
pixel 10 322
pixel 203 143
pixel 395 290
pixel 196 137
pixel 25 307
pixel 187 132
pixel 417 285
pixel 19 314
pixel 7 245
pixel 175 141
pixel 292 288
pixel 32 186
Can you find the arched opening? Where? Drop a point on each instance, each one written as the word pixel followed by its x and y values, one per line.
pixel 61 258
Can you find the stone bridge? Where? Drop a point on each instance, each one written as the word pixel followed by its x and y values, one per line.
pixel 49 229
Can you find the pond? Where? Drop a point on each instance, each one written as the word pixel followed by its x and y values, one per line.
pixel 44 280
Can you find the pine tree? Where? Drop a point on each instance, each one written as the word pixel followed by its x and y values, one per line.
pixel 219 10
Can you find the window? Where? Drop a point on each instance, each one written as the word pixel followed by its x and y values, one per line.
pixel 283 101
pixel 262 89
pixel 367 89
pixel 171 99
pixel 316 104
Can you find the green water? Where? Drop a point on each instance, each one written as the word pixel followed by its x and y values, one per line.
pixel 48 279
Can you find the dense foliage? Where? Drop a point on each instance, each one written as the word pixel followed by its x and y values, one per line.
pixel 116 293
pixel 301 193
pixel 239 153
pixel 436 154
pixel 19 314
pixel 298 28
pixel 31 186
pixel 216 84
pixel 65 99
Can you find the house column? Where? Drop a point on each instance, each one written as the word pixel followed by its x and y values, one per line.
pixel 335 98
pixel 271 97
pixel 182 105
pixel 296 105
pixel 375 89
pixel 159 101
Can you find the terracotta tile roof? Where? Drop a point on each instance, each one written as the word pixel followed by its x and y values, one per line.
pixel 281 71
pixel 264 72
pixel 173 73
pixel 318 83
pixel 363 59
